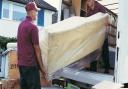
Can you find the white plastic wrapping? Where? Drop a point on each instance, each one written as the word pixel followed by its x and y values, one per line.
pixel 70 40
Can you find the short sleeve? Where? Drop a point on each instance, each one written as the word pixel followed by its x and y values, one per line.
pixel 34 36
pixel 102 9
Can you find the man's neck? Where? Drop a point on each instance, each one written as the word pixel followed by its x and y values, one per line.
pixel 93 6
pixel 29 15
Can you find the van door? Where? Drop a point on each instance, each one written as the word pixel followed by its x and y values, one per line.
pixel 121 71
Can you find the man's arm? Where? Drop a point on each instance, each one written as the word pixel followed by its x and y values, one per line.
pixel 35 42
pixel 39 59
pixel 41 65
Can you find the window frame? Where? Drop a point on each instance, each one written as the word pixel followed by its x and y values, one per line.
pixel 10 7
pixel 13 4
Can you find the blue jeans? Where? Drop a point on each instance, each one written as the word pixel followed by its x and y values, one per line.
pixel 105 55
pixel 29 77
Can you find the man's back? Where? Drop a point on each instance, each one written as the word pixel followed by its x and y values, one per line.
pixel 27 36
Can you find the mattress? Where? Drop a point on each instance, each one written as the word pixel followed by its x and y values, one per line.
pixel 67 41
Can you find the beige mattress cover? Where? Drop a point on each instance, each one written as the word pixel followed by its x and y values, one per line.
pixel 70 40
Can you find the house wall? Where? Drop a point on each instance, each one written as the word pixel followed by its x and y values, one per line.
pixel 9 27
pixel 48 17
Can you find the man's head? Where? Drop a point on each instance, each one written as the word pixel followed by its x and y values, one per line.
pixel 90 3
pixel 67 2
pixel 31 9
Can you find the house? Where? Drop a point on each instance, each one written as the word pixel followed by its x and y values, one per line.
pixel 12 12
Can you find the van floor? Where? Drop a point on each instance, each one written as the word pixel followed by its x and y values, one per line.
pixel 101 70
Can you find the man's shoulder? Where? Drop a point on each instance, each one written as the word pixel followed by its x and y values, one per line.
pixel 98 4
pixel 33 26
pixel 28 24
pixel 100 7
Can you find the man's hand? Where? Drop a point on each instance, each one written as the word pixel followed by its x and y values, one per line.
pixel 44 72
pixel 45 81
pixel 106 21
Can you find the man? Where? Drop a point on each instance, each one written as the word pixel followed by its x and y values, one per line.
pixel 92 7
pixel 29 53
pixel 67 9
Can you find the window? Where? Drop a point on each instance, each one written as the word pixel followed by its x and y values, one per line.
pixel 5 6
pixel 16 11
pixel 13 11
pixel 19 12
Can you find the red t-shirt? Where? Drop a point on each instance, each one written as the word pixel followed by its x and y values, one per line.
pixel 27 36
pixel 97 8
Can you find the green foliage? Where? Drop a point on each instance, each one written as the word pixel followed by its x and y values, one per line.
pixel 4 41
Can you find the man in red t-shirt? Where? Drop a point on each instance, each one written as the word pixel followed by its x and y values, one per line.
pixel 29 53
pixel 92 7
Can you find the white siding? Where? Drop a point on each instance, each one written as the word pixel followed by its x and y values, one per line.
pixel 48 17
pixel 8 28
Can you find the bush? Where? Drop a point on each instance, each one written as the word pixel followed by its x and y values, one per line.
pixel 4 41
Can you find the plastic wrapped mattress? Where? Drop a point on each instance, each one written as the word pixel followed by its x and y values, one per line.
pixel 70 40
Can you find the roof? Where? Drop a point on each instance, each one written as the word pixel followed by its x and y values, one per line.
pixel 111 5
pixel 40 3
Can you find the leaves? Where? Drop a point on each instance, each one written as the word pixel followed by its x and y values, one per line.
pixel 4 41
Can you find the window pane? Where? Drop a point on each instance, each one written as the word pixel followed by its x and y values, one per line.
pixel 6 13
pixel 18 16
pixel 5 9
pixel 18 12
pixel 40 21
